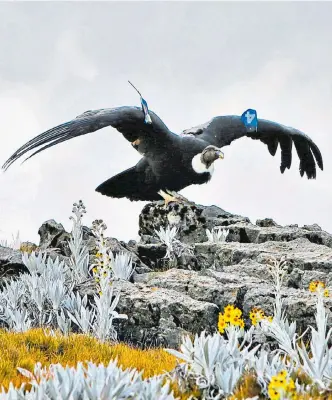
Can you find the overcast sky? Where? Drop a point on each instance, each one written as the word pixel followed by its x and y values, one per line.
pixel 191 61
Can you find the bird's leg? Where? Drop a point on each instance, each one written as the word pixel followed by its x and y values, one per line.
pixel 178 197
pixel 136 142
pixel 167 197
pixel 171 196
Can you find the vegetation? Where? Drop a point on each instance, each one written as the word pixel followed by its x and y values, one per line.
pixel 40 357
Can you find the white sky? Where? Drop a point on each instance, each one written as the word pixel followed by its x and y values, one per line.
pixel 191 61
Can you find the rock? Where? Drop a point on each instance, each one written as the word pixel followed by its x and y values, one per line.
pixel 152 254
pixel 53 235
pixel 195 219
pixel 117 247
pixel 192 220
pixel 248 233
pixel 11 262
pixel 266 222
pixel 313 227
pixel 158 315
pixel 198 286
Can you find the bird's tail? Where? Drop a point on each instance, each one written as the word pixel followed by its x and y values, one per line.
pixel 129 184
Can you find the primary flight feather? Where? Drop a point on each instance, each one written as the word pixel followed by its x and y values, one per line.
pixel 171 162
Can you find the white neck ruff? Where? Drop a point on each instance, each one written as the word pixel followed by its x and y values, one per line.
pixel 199 167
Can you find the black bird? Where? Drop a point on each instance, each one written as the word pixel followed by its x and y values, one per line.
pixel 172 162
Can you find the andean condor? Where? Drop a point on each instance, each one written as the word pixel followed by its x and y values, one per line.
pixel 171 162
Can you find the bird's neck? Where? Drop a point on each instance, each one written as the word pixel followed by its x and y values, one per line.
pixel 199 166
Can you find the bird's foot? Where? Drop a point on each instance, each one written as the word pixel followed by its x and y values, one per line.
pixel 171 196
pixel 168 198
pixel 136 142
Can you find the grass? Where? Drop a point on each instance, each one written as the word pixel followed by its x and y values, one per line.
pixel 24 349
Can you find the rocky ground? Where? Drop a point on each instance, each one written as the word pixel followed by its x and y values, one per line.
pixel 165 299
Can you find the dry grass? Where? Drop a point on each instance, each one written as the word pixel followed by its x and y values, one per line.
pixel 25 349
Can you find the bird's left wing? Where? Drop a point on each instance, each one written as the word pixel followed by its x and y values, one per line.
pixel 222 131
pixel 127 120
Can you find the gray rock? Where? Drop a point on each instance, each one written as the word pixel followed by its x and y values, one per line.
pixel 53 235
pixel 248 233
pixel 192 220
pixel 158 315
pixel 266 222
pixel 11 263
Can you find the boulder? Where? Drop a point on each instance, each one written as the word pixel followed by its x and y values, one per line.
pixel 11 263
pixel 192 220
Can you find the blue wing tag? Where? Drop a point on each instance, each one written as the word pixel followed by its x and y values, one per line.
pixel 249 118
pixel 145 108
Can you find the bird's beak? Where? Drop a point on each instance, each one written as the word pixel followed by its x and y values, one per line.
pixel 221 155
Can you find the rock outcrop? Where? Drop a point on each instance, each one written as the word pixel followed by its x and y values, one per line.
pixel 166 298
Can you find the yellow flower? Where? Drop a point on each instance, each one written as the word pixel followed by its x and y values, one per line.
pixel 231 315
pixel 314 285
pixel 234 320
pixel 222 324
pixel 229 308
pixel 256 314
pixel 237 312
pixel 227 316
pixel 326 293
pixel 281 386
pixel 273 394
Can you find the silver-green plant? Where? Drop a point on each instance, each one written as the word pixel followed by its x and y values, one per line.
pixel 14 244
pixel 174 247
pixel 317 362
pixel 217 234
pixel 79 258
pixel 44 296
pixel 167 237
pixel 93 382
pixel 217 363
pixel 280 329
pixel 109 266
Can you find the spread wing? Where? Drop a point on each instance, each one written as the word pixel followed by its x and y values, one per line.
pixel 221 131
pixel 127 120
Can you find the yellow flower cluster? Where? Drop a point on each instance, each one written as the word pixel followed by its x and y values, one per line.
pixel 257 314
pixel 99 271
pixel 230 316
pixel 282 387
pixel 314 286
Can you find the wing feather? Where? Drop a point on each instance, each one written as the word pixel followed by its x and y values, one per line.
pixel 127 120
pixel 222 131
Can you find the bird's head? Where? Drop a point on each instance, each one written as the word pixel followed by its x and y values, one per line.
pixel 211 154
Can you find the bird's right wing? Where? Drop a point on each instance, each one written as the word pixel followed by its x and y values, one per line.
pixel 127 120
pixel 222 131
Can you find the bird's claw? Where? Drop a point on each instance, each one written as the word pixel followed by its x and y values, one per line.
pixel 171 196
pixel 136 142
